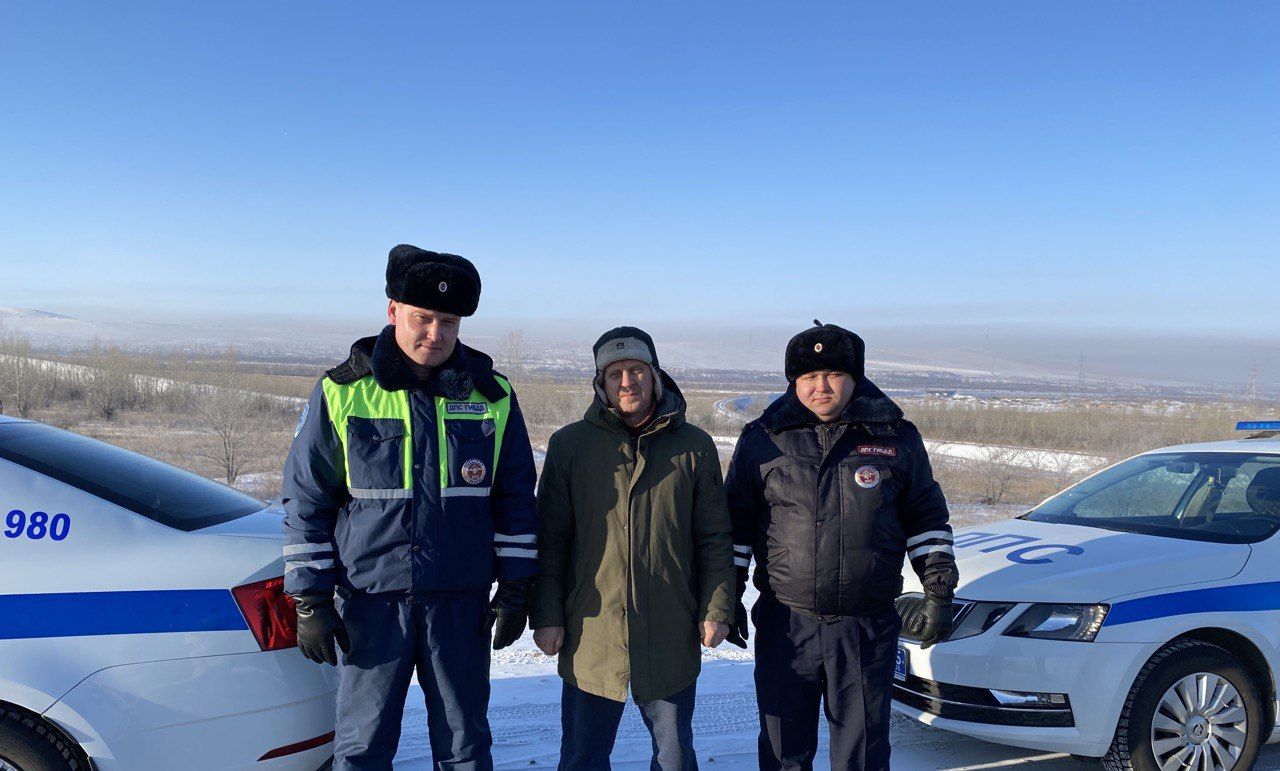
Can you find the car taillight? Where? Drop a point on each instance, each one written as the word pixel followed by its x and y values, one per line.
pixel 270 613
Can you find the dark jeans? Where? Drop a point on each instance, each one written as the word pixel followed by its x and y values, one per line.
pixel 845 664
pixel 443 638
pixel 590 725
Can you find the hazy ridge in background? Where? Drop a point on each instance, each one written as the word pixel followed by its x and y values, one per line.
pixel 975 353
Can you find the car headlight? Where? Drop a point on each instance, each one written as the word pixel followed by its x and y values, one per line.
pixel 978 617
pixel 1046 621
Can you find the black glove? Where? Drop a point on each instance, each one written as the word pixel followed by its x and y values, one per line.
pixel 739 631
pixel 510 609
pixel 318 627
pixel 935 620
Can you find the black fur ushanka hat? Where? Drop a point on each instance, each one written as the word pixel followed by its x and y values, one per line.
pixel 441 282
pixel 825 346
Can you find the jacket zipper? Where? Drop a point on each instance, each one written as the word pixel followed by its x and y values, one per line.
pixel 824 437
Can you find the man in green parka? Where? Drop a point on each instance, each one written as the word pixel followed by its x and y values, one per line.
pixel 635 558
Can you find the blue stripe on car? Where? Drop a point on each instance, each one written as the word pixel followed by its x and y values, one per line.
pixel 1219 599
pixel 82 614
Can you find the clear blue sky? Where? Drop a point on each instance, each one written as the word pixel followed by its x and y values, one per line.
pixel 1102 165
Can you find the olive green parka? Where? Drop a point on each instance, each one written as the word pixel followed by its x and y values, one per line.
pixel 634 550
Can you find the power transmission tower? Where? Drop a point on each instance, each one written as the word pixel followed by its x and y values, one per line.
pixel 1252 393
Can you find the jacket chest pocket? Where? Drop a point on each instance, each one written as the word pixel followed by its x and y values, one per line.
pixel 790 488
pixel 869 491
pixel 375 454
pixel 469 454
pixel 870 483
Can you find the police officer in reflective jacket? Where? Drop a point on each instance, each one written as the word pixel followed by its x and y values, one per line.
pixel 829 490
pixel 408 490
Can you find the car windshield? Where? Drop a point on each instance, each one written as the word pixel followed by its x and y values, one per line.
pixel 1202 496
pixel 140 484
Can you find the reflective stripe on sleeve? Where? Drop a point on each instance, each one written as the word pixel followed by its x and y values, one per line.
pixel 929 536
pixel 742 562
pixel 530 538
pixel 504 551
pixel 306 548
pixel 313 564
pixel 943 548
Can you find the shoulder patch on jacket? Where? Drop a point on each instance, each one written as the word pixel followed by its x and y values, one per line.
pixel 302 419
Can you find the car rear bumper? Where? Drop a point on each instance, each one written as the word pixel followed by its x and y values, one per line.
pixel 212 712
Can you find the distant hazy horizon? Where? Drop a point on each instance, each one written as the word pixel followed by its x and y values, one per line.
pixel 1003 349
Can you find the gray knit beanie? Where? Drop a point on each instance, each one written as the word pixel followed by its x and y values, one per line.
pixel 622 343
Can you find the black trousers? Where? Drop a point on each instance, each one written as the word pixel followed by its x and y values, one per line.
pixel 846 664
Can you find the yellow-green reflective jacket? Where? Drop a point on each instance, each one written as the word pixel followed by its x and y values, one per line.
pixel 396 484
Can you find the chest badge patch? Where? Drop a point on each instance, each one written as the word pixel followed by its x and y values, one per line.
pixel 878 449
pixel 474 471
pixel 465 408
pixel 867 476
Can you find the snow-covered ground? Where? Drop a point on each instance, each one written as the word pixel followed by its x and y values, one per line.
pixel 1021 457
pixel 160 384
pixel 524 712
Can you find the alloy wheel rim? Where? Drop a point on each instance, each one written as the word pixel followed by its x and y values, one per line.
pixel 1200 724
pixel 5 766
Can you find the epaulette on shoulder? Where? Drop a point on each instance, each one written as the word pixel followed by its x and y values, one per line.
pixel 345 373
pixel 359 363
pixel 355 367
pixel 881 429
pixel 490 388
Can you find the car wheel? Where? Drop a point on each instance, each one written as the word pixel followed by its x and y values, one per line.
pixel 29 744
pixel 1193 707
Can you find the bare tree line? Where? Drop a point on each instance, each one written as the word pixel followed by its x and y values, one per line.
pixel 233 430
pixel 234 420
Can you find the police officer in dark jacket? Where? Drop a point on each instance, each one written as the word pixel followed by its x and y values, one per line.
pixel 408 490
pixel 829 490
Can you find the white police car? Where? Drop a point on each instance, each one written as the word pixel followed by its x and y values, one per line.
pixel 1136 616
pixel 143 623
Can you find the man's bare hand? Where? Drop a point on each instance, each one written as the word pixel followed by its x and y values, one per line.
pixel 549 639
pixel 713 633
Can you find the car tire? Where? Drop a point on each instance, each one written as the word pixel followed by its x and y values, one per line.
pixel 1132 747
pixel 27 743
